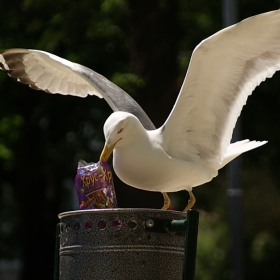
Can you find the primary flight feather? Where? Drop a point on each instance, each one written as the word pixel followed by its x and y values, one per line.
pixel 194 142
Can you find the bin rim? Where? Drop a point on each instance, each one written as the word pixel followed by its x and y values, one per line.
pixel 117 210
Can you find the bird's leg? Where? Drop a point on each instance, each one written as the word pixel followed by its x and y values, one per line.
pixel 191 202
pixel 166 202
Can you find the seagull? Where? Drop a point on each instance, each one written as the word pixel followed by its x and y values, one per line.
pixel 194 142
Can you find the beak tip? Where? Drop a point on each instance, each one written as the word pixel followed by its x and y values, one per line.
pixel 103 158
pixel 106 153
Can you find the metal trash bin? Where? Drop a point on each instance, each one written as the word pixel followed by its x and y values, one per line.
pixel 120 244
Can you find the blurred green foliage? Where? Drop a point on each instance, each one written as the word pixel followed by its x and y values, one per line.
pixel 145 47
pixel 212 252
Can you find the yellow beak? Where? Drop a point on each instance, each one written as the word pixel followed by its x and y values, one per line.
pixel 106 152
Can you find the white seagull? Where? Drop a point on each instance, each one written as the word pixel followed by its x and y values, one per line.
pixel 194 142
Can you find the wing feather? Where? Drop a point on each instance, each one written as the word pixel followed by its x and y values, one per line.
pixel 53 74
pixel 223 72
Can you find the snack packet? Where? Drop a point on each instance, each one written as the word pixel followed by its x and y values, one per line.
pixel 94 185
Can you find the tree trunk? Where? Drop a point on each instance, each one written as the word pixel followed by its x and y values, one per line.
pixel 153 53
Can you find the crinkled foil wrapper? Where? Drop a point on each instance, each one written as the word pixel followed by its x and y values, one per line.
pixel 95 186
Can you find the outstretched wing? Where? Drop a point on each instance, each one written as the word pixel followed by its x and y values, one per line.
pixel 223 72
pixel 50 73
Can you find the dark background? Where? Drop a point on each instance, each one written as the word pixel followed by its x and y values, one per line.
pixel 144 47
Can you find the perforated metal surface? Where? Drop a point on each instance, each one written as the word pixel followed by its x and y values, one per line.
pixel 114 244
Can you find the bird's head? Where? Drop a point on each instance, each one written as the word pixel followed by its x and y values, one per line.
pixel 120 129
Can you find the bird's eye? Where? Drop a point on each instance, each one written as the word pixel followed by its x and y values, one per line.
pixel 120 130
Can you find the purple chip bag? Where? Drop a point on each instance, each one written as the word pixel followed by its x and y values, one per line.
pixel 95 186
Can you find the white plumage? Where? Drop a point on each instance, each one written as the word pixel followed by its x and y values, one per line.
pixel 194 142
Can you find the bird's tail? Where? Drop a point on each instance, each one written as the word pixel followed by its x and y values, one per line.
pixel 237 148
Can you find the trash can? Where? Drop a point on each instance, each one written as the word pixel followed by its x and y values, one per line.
pixel 120 244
